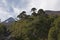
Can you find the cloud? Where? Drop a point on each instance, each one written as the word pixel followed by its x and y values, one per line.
pixel 4 14
pixel 18 3
pixel 11 8
pixel 45 4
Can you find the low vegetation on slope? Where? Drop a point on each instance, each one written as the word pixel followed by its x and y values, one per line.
pixel 37 26
pixel 33 27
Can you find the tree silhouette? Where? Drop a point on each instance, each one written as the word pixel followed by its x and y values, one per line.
pixel 22 14
pixel 40 11
pixel 34 11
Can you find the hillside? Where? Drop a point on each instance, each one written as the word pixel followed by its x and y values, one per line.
pixel 52 12
pixel 37 26
pixel 9 21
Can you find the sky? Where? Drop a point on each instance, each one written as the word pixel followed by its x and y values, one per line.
pixel 12 8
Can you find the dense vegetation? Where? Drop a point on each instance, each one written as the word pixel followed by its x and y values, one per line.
pixel 37 26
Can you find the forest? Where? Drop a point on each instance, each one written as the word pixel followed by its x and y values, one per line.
pixel 37 26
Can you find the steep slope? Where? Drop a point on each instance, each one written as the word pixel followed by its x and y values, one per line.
pixel 9 21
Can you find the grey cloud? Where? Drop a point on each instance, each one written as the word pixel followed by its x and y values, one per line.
pixel 18 3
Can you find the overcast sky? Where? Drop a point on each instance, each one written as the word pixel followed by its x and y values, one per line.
pixel 11 8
